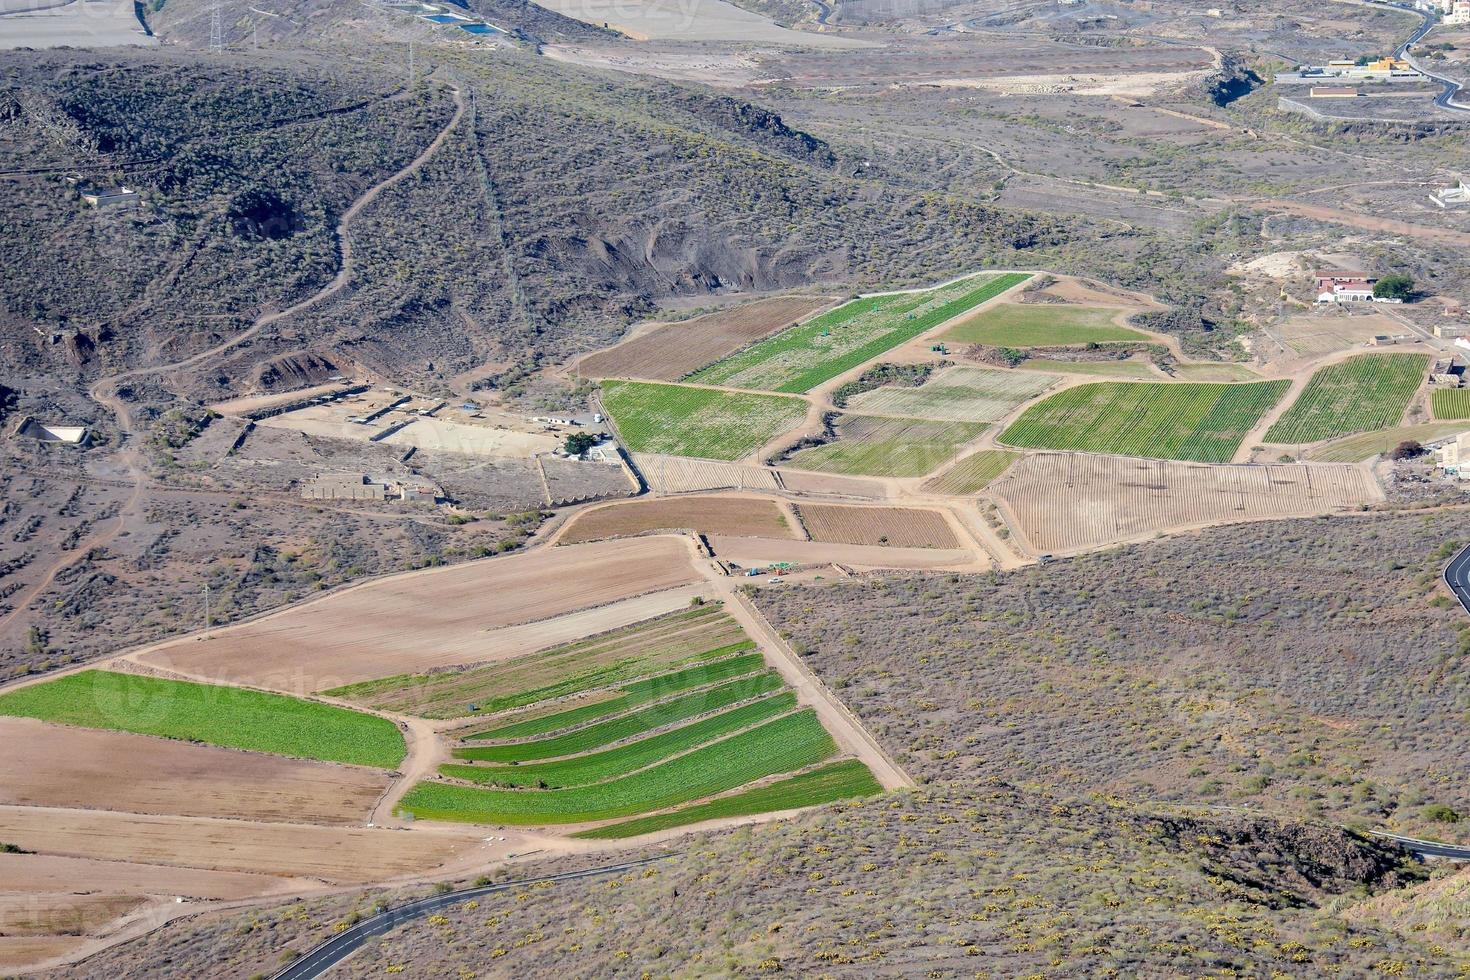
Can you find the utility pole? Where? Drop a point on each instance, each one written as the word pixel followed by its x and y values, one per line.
pixel 216 32
pixel 206 608
pixel 410 63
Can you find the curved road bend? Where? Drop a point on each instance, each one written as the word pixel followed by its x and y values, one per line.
pixel 328 954
pixel 1446 98
pixel 1457 577
pixel 1427 848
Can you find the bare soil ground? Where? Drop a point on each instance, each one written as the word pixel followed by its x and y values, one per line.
pixel 670 351
pixel 389 626
pixel 1318 333
pixel 828 484
pixel 337 854
pixel 890 527
pixel 53 765
pixel 765 551
pixel 717 514
pixel 1065 502
pixel 56 874
pixel 60 915
pixel 24 950
pixel 675 474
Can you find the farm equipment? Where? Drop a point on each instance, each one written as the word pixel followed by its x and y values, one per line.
pixel 938 349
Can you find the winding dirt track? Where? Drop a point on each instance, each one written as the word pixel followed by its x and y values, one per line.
pixel 105 390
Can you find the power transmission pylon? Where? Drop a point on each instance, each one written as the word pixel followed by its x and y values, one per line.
pixel 216 32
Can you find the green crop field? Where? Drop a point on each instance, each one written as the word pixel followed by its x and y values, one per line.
pixel 1041 325
pixel 1451 403
pixel 543 720
pixel 973 473
pixel 1201 422
pixel 1223 371
pixel 958 394
pixel 598 766
pixel 803 357
pixel 783 745
pixel 1363 393
pixel 651 647
pixel 845 780
pixel 868 446
pixel 680 421
pixel 641 721
pixel 227 716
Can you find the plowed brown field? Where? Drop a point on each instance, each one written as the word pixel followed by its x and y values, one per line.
pixel 748 516
pixel 52 765
pixel 445 615
pixel 672 351
pixel 892 527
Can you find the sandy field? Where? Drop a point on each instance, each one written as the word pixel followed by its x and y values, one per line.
pixel 1327 333
pixel 691 20
pixel 447 616
pixel 60 915
pixel 889 527
pixel 676 474
pixel 247 404
pixel 18 951
pixel 1065 502
pixel 337 854
pixel 54 765
pixel 735 516
pixel 50 873
pixel 670 351
pixel 829 484
pixel 439 435
pixel 79 24
pixel 765 551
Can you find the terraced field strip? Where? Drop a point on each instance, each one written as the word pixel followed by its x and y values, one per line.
pixel 1042 325
pixel 1215 372
pixel 1366 445
pixel 786 744
pixel 735 516
pixel 1451 403
pixel 681 421
pixel 1107 369
pixel 959 394
pixel 800 359
pixel 675 474
pixel 973 473
pixel 1063 502
pixel 231 717
pixel 651 647
pixel 1370 391
pixel 598 766
pixel 1200 422
pixel 893 527
pixel 870 446
pixel 639 722
pixel 545 719
pixel 674 350
pixel 845 780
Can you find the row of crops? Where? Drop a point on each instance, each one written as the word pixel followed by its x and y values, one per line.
pixel 803 357
pixel 585 743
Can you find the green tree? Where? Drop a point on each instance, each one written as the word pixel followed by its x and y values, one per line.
pixel 1393 286
pixel 579 442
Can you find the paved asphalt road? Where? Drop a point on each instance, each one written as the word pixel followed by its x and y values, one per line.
pixel 1428 848
pixel 339 947
pixel 1457 577
pixel 1446 98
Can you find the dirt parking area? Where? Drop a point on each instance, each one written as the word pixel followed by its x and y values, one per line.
pixel 394 625
pixel 714 514
pixel 53 765
pixel 1067 502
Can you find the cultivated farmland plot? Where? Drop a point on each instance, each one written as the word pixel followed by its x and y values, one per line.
pixel 1451 403
pixel 750 516
pixel 1361 394
pixel 700 422
pixel 959 394
pixel 1042 325
pixel 868 446
pixel 1366 445
pixel 678 474
pixel 800 359
pixel 1067 501
pixel 973 473
pixel 662 714
pixel 1200 422
pixel 673 351
pixel 893 527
